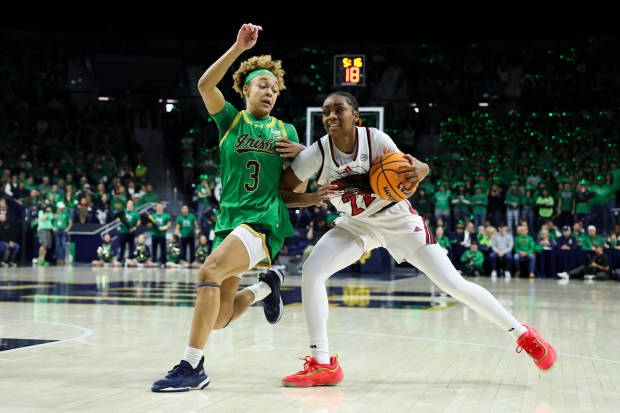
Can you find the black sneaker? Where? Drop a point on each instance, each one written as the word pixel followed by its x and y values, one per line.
pixel 272 304
pixel 183 378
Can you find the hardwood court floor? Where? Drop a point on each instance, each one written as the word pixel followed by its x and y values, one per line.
pixel 75 339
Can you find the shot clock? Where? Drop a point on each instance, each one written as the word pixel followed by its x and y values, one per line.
pixel 350 70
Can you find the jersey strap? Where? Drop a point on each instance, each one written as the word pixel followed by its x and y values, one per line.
pixel 282 128
pixel 232 125
pixel 318 174
pixel 369 146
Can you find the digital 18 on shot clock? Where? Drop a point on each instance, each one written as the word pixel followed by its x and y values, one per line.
pixel 350 70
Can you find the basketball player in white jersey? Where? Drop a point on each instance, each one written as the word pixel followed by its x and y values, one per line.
pixel 343 158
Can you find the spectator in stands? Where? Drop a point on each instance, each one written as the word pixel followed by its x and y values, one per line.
pixel 187 229
pixel 583 195
pixel 9 248
pixel 32 204
pixel 132 190
pixel 480 203
pixel 202 252
pixel 591 239
pixel 597 268
pixel 578 232
pixel 85 212
pixel 129 221
pixel 513 206
pixel 524 249
pixel 141 253
pixel 496 210
pixel 442 200
pixel 461 203
pixel 501 250
pixel 469 235
pixel 567 241
pixel 61 226
pixel 174 259
pixel 528 205
pixel 118 203
pixel 483 237
pixel 101 209
pixel 11 187
pixel 544 207
pixel 544 247
pixel 44 233
pixel 160 222
pixel 71 201
pixel 544 241
pixel 149 196
pixel 53 196
pixel 554 232
pixel 443 241
pixel 601 213
pixel 423 203
pixel 203 195
pixel 472 261
pixel 565 203
pixel 105 252
pixel 21 192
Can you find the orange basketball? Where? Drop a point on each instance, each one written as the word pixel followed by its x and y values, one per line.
pixel 383 180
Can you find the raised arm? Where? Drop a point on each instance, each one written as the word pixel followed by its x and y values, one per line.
pixel 207 85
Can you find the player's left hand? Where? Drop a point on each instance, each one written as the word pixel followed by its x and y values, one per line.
pixel 415 172
pixel 287 148
pixel 325 191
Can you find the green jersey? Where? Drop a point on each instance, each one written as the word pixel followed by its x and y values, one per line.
pixel 160 221
pixel 132 218
pixel 250 172
pixel 61 220
pixel 186 224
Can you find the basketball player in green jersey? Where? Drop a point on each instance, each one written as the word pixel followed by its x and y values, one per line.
pixel 254 220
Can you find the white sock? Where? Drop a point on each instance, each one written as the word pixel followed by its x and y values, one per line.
pixel 193 356
pixel 260 290
pixel 320 352
pixel 517 331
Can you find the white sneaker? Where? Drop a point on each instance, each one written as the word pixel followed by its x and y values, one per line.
pixel 493 274
pixel 563 275
pixel 507 274
pixel 588 277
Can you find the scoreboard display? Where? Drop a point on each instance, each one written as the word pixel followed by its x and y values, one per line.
pixel 350 70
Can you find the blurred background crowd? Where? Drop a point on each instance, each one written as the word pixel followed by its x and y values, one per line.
pixel 518 134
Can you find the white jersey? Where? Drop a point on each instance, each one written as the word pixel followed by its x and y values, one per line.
pixel 349 171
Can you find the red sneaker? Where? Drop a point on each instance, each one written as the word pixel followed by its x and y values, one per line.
pixel 543 353
pixel 315 374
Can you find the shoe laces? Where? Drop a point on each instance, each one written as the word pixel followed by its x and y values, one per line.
pixel 180 369
pixel 310 364
pixel 532 346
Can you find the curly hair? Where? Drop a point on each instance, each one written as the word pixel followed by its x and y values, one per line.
pixel 255 63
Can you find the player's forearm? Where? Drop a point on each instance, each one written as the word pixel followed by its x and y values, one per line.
pixel 295 199
pixel 216 72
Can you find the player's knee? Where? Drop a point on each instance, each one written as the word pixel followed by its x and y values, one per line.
pixel 312 265
pixel 206 275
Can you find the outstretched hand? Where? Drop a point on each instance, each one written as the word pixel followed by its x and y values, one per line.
pixel 415 172
pixel 325 191
pixel 287 148
pixel 248 35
